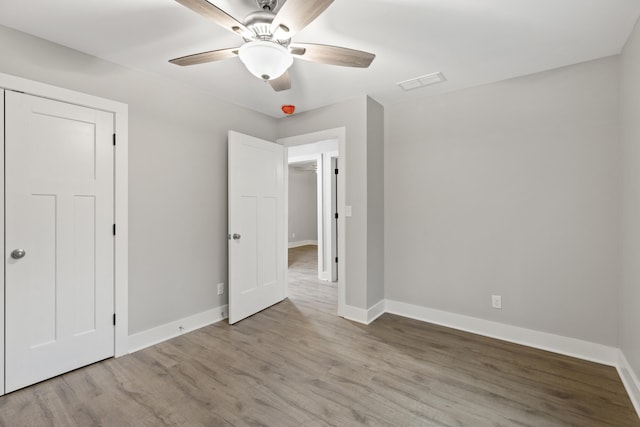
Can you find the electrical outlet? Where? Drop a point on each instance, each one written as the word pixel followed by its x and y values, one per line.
pixel 293 235
pixel 220 288
pixel 496 301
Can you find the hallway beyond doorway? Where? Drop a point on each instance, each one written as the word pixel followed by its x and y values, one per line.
pixel 304 286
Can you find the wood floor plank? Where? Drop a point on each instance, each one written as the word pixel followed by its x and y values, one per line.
pixel 298 364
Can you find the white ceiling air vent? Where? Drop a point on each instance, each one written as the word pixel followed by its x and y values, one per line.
pixel 418 82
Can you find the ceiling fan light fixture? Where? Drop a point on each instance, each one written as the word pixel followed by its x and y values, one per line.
pixel 264 59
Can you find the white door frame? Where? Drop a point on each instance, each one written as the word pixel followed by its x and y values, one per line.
pixel 121 159
pixel 2 237
pixel 329 134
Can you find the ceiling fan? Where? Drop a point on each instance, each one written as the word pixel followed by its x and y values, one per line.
pixel 268 51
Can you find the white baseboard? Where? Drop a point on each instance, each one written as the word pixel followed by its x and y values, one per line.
pixel 630 380
pixel 354 313
pixel 361 315
pixel 555 343
pixel 161 333
pixel 303 243
pixel 376 311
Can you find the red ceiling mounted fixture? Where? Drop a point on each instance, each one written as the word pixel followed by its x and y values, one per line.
pixel 288 109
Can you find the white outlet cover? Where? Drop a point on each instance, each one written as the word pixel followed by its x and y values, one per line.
pixel 496 301
pixel 347 211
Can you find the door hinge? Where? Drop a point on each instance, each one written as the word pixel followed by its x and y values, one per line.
pixel 114 319
pixel 335 171
pixel 114 139
pixel 335 215
pixel 114 229
pixel 336 259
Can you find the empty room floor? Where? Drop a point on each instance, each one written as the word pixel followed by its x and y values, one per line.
pixel 298 364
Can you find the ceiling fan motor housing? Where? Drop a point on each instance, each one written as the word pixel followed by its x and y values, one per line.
pixel 259 23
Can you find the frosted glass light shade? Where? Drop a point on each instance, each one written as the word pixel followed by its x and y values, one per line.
pixel 265 60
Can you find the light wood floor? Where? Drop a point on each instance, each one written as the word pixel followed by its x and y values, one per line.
pixel 297 364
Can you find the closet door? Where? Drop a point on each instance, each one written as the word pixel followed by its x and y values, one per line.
pixel 59 239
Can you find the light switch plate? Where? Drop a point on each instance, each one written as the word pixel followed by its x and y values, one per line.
pixel 347 211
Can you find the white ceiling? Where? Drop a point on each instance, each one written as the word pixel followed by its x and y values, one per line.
pixel 471 41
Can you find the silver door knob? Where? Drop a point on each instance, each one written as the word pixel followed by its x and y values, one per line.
pixel 18 253
pixel 236 236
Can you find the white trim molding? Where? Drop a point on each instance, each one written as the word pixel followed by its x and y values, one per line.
pixel 630 380
pixel 303 243
pixel 376 311
pixel 555 343
pixel 355 314
pixel 165 332
pixel 364 316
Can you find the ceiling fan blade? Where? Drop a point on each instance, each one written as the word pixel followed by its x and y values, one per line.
pixel 333 55
pixel 203 57
pixel 281 83
pixel 218 16
pixel 294 15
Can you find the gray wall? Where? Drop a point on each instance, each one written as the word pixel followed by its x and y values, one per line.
pixel 630 135
pixel 513 189
pixel 303 205
pixel 375 202
pixel 177 174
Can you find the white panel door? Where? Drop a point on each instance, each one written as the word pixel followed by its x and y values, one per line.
pixel 59 211
pixel 256 225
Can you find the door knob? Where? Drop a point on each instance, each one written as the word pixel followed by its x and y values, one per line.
pixel 236 236
pixel 18 253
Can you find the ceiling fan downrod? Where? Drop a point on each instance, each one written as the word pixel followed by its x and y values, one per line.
pixel 269 5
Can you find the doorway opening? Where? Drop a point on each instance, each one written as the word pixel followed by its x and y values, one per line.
pixel 312 217
pixel 335 142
